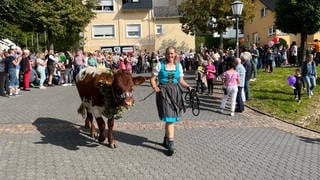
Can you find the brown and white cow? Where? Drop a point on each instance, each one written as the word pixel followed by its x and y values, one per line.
pixel 105 92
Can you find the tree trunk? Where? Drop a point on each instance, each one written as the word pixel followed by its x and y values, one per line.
pixel 50 40
pixel 303 46
pixel 221 40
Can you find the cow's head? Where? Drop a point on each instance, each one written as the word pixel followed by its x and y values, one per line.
pixel 122 85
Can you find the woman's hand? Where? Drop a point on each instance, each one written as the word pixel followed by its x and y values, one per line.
pixel 189 88
pixel 156 89
pixel 153 84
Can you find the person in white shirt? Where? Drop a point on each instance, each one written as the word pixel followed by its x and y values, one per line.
pixel 41 68
pixel 51 61
pixel 294 53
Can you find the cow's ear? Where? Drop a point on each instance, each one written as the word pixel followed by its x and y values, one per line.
pixel 138 80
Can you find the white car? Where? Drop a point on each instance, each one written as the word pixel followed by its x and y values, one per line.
pixel 6 44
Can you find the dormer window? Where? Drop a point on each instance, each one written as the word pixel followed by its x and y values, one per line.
pixel 264 12
pixel 130 1
pixel 132 5
pixel 105 5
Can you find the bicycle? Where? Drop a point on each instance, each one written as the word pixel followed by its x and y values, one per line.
pixel 194 101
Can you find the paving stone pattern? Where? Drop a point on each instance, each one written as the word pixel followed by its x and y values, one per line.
pixel 42 137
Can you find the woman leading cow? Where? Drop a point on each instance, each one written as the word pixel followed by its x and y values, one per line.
pixel 166 76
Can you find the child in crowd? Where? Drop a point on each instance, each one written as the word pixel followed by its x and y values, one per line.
pixel 269 61
pixel 211 70
pixel 200 75
pixel 297 85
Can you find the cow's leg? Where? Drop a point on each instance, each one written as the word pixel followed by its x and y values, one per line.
pixel 89 122
pixel 102 129
pixel 111 140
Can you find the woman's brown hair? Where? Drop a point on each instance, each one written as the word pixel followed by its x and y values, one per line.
pixel 176 59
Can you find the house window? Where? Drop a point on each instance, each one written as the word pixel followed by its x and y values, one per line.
pixel 133 30
pixel 271 31
pixel 159 29
pixel 264 12
pixel 130 1
pixel 256 38
pixel 105 5
pixel 103 31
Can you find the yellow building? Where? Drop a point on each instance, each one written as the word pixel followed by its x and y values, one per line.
pixel 262 29
pixel 133 25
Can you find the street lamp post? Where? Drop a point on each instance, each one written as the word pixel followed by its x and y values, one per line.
pixel 237 11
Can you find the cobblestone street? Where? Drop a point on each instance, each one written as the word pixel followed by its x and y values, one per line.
pixel 42 137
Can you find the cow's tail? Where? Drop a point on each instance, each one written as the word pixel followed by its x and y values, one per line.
pixel 82 110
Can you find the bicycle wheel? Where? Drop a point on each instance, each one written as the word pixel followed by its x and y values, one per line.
pixel 195 105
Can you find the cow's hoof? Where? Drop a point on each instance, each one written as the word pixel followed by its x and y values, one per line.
pixel 101 139
pixel 86 126
pixel 112 145
pixel 94 135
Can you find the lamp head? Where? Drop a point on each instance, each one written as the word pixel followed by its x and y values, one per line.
pixel 237 7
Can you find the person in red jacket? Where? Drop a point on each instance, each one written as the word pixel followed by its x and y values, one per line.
pixel 26 69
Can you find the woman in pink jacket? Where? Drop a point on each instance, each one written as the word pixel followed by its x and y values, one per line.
pixel 122 65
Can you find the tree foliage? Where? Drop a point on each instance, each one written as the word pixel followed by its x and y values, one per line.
pixel 303 16
pixel 183 46
pixel 61 20
pixel 195 15
pixel 293 16
pixel 8 11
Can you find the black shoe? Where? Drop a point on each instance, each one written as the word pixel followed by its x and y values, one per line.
pixel 239 110
pixel 171 148
pixel 165 142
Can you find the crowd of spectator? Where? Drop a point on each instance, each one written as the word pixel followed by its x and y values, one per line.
pixel 22 69
pixel 250 61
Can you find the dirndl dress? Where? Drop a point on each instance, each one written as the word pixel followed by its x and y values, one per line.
pixel 169 100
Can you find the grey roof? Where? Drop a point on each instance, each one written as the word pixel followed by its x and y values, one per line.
pixel 166 9
pixel 160 12
pixel 271 4
pixel 143 4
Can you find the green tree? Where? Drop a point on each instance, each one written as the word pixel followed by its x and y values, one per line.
pixel 298 16
pixel 10 14
pixel 8 9
pixel 183 46
pixel 62 21
pixel 195 15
